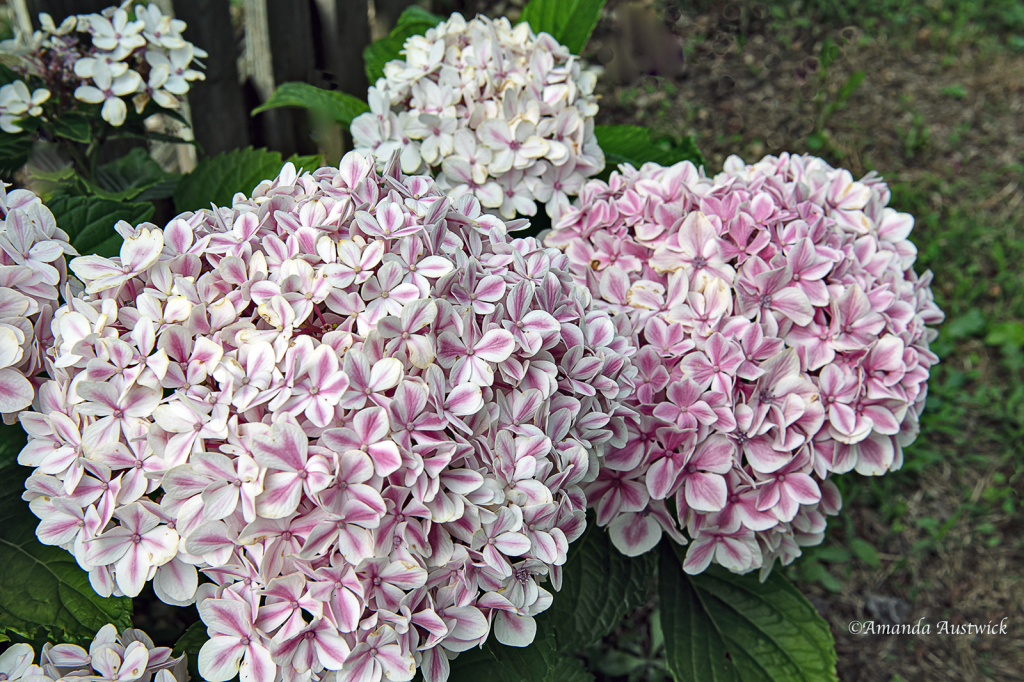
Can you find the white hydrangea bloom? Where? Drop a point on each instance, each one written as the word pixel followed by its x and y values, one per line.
pixel 491 110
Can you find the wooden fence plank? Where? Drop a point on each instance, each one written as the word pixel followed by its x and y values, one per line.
pixel 219 119
pixel 345 31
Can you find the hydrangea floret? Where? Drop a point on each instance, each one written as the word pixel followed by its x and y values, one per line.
pixel 111 657
pixel 32 269
pixel 782 336
pixel 119 55
pixel 492 110
pixel 362 410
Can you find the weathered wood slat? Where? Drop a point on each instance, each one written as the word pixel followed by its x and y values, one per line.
pixel 219 119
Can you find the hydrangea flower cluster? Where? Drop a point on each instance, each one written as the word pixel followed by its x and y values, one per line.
pixel 111 657
pixel 493 111
pixel 104 58
pixel 365 413
pixel 782 338
pixel 32 269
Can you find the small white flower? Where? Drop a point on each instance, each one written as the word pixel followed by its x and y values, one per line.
pixel 160 30
pixel 177 64
pixel 113 60
pixel 108 34
pixel 109 91
pixel 436 135
pixel 66 26
pixel 16 102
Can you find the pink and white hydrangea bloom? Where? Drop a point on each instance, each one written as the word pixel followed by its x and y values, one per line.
pixel 100 58
pixel 116 657
pixel 492 110
pixel 361 408
pixel 32 269
pixel 783 337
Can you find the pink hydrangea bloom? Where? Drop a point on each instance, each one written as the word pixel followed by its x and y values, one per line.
pixel 365 412
pixel 32 268
pixel 130 655
pixel 782 336
pixel 494 111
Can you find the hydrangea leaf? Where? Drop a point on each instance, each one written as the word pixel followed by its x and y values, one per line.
pixel 331 104
pixel 12 440
pixel 89 222
pixel 636 145
pixel 600 585
pixel 14 151
pixel 539 662
pixel 311 162
pixel 7 75
pixel 413 21
pixel 135 176
pixel 190 643
pixel 570 22
pixel 723 627
pixel 73 126
pixel 42 587
pixel 216 179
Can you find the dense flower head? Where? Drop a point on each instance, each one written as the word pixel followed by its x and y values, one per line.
pixel 363 411
pixel 122 53
pixel 782 338
pixel 32 268
pixel 126 657
pixel 492 110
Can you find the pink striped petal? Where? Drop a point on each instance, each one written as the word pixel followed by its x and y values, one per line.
pixel 634 534
pixel 495 346
pixel 220 658
pixel 706 492
pixel 699 556
pixel 512 629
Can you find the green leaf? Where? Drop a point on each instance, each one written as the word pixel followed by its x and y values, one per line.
pixel 600 586
pixel 48 184
pixel 725 627
pixel 845 92
pixel 539 662
pixel 866 552
pixel 7 75
pixel 832 554
pixel 310 163
pixel 131 176
pixel 89 222
pixel 969 324
pixel 570 22
pixel 616 663
pixel 215 180
pixel 74 127
pixel 14 151
pixel 189 644
pixel 42 587
pixel 956 91
pixel 12 440
pixel 331 104
pixel 1006 333
pixel 413 21
pixel 636 146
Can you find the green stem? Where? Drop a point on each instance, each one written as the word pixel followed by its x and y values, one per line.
pixel 94 150
pixel 80 161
